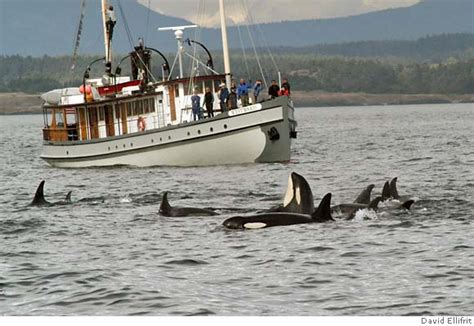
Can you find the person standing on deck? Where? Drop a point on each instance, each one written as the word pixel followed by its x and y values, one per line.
pixel 111 21
pixel 209 102
pixel 243 93
pixel 286 84
pixel 223 97
pixel 274 89
pixel 196 105
pixel 257 88
pixel 283 91
pixel 232 100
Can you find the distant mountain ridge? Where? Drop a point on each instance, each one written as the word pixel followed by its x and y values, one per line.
pixel 430 48
pixel 26 27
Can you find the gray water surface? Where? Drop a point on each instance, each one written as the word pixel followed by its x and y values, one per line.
pixel 110 253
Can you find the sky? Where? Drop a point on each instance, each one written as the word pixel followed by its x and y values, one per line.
pixel 205 12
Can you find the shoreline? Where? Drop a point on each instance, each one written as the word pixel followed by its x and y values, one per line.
pixel 22 103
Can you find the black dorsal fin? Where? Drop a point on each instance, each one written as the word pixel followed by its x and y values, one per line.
pixel 165 206
pixel 408 204
pixel 386 191
pixel 323 212
pixel 393 188
pixel 68 197
pixel 39 195
pixel 375 203
pixel 364 196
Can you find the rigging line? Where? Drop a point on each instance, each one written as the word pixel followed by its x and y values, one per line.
pixel 264 39
pixel 125 24
pixel 72 64
pixel 253 45
pixel 199 62
pixel 147 22
pixel 243 51
pixel 262 35
pixel 194 67
pixel 130 39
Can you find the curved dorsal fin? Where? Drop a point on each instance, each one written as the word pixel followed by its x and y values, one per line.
pixel 323 212
pixel 165 206
pixel 393 188
pixel 408 204
pixel 364 196
pixel 375 203
pixel 68 197
pixel 39 195
pixel 386 191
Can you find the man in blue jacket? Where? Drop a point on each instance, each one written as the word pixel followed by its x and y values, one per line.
pixel 243 92
pixel 223 96
pixel 196 105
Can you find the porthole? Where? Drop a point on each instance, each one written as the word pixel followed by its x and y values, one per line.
pixel 124 145
pixel 152 141
pixel 169 137
pixel 199 132
pixel 67 152
pixel 161 139
pixel 109 148
pixel 225 126
pixel 189 134
pixel 116 146
pixel 131 144
pixel 212 129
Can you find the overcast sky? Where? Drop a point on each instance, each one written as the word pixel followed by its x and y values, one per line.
pixel 269 10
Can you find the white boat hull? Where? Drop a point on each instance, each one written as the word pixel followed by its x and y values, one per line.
pixel 244 136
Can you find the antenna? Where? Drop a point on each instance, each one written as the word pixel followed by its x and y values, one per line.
pixel 178 33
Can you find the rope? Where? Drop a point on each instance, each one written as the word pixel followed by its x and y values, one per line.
pixel 147 22
pixel 130 39
pixel 78 36
pixel 243 51
pixel 125 24
pixel 247 13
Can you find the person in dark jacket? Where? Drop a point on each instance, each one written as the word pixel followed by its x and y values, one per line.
pixel 223 97
pixel 196 105
pixel 209 102
pixel 274 89
pixel 232 100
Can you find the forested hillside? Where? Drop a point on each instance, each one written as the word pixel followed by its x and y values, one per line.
pixel 388 67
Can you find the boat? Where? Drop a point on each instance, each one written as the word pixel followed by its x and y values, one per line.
pixel 136 121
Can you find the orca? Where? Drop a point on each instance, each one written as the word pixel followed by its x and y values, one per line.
pixel 298 197
pixel 386 195
pixel 390 195
pixel 269 219
pixel 39 199
pixel 348 211
pixel 167 210
pixel 394 192
pixel 364 196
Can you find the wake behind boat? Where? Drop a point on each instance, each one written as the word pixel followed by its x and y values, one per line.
pixel 139 121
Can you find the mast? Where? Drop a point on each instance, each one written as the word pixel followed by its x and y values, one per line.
pixel 225 44
pixel 108 52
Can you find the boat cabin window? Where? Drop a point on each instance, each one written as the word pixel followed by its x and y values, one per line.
pixel 130 109
pixel 59 119
pixel 101 114
pixel 71 116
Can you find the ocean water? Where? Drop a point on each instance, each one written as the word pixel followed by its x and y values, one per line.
pixel 111 253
